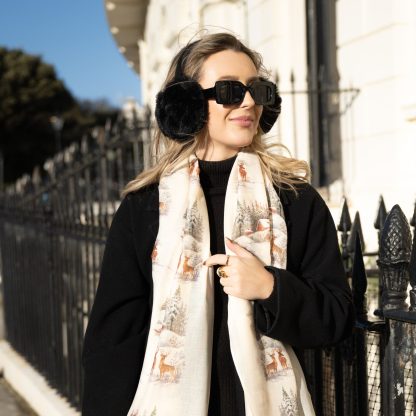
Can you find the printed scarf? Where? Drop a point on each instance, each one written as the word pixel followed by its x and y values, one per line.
pixel 175 377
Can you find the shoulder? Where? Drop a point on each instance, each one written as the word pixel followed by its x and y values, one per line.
pixel 134 204
pixel 305 208
pixel 146 198
pixel 305 196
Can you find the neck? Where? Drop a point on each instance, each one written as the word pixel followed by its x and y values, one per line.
pixel 214 154
pixel 214 174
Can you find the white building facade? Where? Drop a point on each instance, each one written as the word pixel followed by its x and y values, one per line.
pixel 345 69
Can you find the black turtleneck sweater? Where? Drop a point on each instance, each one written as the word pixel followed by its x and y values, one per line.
pixel 226 396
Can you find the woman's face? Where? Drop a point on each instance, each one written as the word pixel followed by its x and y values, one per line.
pixel 230 127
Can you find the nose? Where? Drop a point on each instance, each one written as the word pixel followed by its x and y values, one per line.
pixel 248 100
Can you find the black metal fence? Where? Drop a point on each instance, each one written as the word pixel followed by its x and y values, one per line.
pixel 374 371
pixel 53 227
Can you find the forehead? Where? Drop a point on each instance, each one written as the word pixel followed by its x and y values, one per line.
pixel 227 64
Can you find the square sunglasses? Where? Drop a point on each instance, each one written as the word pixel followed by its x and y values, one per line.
pixel 233 92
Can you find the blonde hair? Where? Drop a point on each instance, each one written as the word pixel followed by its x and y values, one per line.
pixel 284 172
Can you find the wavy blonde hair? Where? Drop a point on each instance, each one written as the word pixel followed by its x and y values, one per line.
pixel 169 155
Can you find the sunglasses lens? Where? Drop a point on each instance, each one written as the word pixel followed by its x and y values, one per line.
pixel 222 92
pixel 263 92
pixel 229 92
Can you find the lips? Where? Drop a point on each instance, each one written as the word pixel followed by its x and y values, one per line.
pixel 242 121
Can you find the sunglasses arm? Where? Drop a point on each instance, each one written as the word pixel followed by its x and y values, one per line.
pixel 209 93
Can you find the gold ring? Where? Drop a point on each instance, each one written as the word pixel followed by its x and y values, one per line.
pixel 228 258
pixel 221 273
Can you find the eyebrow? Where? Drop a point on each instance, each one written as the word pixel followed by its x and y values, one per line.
pixel 234 78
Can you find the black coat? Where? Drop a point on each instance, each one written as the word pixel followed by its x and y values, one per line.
pixel 310 305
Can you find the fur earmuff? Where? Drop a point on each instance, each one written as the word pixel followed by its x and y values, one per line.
pixel 181 110
pixel 270 114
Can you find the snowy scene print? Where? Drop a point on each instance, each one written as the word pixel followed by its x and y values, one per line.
pixel 242 172
pixel 194 170
pixel 289 406
pixel 275 359
pixel 190 261
pixel 279 249
pixel 144 413
pixel 168 360
pixel 251 225
pixel 164 202
pixel 279 234
pixel 274 201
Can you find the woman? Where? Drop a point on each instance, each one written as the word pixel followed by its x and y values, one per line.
pixel 219 260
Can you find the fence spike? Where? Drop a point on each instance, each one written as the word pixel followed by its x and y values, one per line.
pixel 394 258
pixel 359 280
pixel 394 249
pixel 356 228
pixel 36 177
pixel 345 220
pixel 381 214
pixel 68 156
pixel 49 167
pixel 345 226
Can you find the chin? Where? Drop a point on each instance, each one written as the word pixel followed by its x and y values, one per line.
pixel 243 141
pixel 235 141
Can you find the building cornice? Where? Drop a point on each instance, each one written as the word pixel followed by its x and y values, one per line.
pixel 126 19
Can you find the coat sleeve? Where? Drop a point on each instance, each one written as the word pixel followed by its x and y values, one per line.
pixel 115 339
pixel 310 305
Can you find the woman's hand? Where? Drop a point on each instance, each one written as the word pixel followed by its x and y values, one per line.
pixel 247 277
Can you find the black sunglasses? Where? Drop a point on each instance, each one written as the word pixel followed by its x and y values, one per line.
pixel 233 92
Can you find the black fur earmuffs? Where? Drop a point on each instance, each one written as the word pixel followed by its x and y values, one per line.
pixel 182 109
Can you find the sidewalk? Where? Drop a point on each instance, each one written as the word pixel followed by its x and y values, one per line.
pixel 21 384
pixel 10 403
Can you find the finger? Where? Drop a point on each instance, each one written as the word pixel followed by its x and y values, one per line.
pixel 225 281
pixel 215 259
pixel 220 259
pixel 236 248
pixel 231 291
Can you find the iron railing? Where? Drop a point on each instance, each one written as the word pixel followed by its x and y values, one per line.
pixel 53 227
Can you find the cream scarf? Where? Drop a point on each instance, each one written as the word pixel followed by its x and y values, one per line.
pixel 175 378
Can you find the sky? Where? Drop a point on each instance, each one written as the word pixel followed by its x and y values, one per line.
pixel 73 36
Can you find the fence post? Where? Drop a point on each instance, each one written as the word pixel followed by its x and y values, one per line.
pixel 394 258
pixel 378 225
pixel 344 227
pixel 343 374
pixel 359 289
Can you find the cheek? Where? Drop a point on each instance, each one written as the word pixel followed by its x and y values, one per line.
pixel 216 114
pixel 259 111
